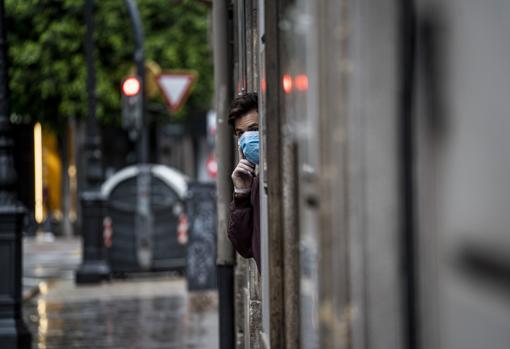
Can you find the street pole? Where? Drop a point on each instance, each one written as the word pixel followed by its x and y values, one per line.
pixel 144 218
pixel 224 148
pixel 139 59
pixel 13 331
pixel 94 267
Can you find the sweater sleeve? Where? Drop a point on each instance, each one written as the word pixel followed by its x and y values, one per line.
pixel 240 225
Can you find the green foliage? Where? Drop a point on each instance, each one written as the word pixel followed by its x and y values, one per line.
pixel 47 58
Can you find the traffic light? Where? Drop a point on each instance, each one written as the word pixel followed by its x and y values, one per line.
pixel 132 106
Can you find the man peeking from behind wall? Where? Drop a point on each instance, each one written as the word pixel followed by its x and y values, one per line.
pixel 244 223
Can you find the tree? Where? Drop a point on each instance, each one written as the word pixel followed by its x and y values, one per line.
pixel 48 72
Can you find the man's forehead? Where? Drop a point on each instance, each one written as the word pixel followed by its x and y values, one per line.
pixel 248 119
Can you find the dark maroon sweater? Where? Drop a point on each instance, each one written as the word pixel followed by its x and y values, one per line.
pixel 244 223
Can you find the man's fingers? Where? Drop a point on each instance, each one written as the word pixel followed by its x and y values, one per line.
pixel 242 170
pixel 247 163
pixel 243 166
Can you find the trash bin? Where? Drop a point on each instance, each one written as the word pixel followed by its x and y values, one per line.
pixel 201 211
pixel 144 238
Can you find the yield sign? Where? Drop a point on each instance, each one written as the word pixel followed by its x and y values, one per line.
pixel 175 87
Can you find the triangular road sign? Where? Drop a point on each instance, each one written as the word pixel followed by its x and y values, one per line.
pixel 175 87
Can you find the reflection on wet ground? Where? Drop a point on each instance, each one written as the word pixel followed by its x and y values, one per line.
pixel 149 314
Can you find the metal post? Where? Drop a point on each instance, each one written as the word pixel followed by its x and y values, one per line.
pixel 13 332
pixel 223 87
pixel 407 26
pixel 144 220
pixel 94 267
pixel 273 146
pixel 139 59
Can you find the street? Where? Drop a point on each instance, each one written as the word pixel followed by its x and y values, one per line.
pixel 146 312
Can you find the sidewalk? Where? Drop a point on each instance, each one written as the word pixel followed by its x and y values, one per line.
pixel 149 313
pixel 46 260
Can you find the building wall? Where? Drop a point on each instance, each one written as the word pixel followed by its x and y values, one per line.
pixel 248 306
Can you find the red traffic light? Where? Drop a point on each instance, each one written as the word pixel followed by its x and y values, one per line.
pixel 131 86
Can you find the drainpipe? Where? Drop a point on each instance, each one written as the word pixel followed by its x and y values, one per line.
pixel 224 145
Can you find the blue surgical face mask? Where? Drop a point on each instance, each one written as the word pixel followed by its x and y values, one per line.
pixel 249 144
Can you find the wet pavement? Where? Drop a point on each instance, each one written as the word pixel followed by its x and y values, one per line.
pixel 152 312
pixel 46 259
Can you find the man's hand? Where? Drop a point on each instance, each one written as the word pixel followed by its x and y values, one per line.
pixel 242 177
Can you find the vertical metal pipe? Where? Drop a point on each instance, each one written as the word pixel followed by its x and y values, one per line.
pixel 91 70
pixel 7 172
pixel 144 219
pixel 223 90
pixel 66 189
pixel 273 141
pixel 139 58
pixel 94 171
pixel 242 81
pixel 409 257
pixel 94 267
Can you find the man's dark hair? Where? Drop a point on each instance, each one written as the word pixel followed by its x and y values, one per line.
pixel 242 105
